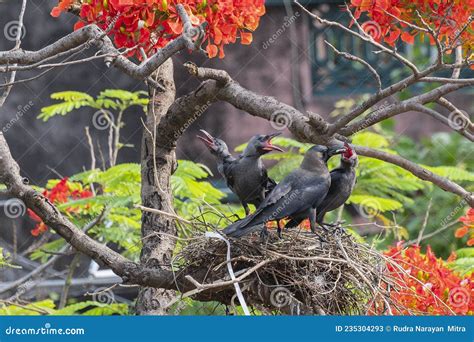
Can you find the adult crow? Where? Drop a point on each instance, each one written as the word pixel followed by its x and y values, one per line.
pixel 245 175
pixel 297 196
pixel 343 180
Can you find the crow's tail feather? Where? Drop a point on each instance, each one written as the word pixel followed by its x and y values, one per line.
pixel 237 231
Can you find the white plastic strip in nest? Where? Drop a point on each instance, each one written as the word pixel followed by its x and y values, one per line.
pixel 238 291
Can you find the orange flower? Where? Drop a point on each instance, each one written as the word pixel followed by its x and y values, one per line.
pixel 150 24
pixel 423 284
pixel 460 232
pixel 447 17
pixel 62 192
pixel 468 227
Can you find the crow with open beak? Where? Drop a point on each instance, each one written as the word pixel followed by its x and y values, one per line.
pixel 245 175
pixel 297 196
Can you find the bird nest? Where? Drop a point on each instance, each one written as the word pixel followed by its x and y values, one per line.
pixel 302 273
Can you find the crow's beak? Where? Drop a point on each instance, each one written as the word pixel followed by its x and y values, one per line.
pixel 336 150
pixel 267 146
pixel 349 151
pixel 207 139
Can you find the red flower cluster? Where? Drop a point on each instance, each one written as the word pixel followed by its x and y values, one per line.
pixel 426 285
pixel 468 227
pixel 62 192
pixel 389 20
pixel 151 24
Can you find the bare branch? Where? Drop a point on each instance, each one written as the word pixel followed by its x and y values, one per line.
pixel 365 37
pixel 360 60
pixel 398 108
pixel 6 92
pixel 438 116
pixel 418 171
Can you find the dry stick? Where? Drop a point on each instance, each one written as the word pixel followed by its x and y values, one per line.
pixel 425 222
pixel 68 282
pixel 464 131
pixel 164 213
pixel 430 235
pixel 91 147
pixel 360 60
pixel 367 281
pixel 6 92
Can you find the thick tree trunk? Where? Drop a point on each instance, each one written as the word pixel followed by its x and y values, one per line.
pixel 158 163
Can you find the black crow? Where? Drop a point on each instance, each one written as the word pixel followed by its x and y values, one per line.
pixel 297 196
pixel 245 175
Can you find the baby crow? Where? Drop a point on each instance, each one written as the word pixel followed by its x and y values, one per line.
pixel 297 196
pixel 343 180
pixel 245 175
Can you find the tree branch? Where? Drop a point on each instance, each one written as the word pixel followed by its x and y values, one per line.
pixel 418 171
pixel 401 107
pixel 93 35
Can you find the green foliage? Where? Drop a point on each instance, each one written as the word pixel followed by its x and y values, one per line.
pixel 48 307
pixel 4 260
pixel 464 263
pixel 108 99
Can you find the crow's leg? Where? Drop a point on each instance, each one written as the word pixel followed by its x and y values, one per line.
pixel 264 233
pixel 246 208
pixel 278 228
pixel 312 220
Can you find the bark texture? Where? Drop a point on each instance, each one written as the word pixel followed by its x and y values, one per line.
pixel 158 162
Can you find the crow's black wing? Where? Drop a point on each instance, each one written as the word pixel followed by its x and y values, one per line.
pixel 294 194
pixel 339 192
